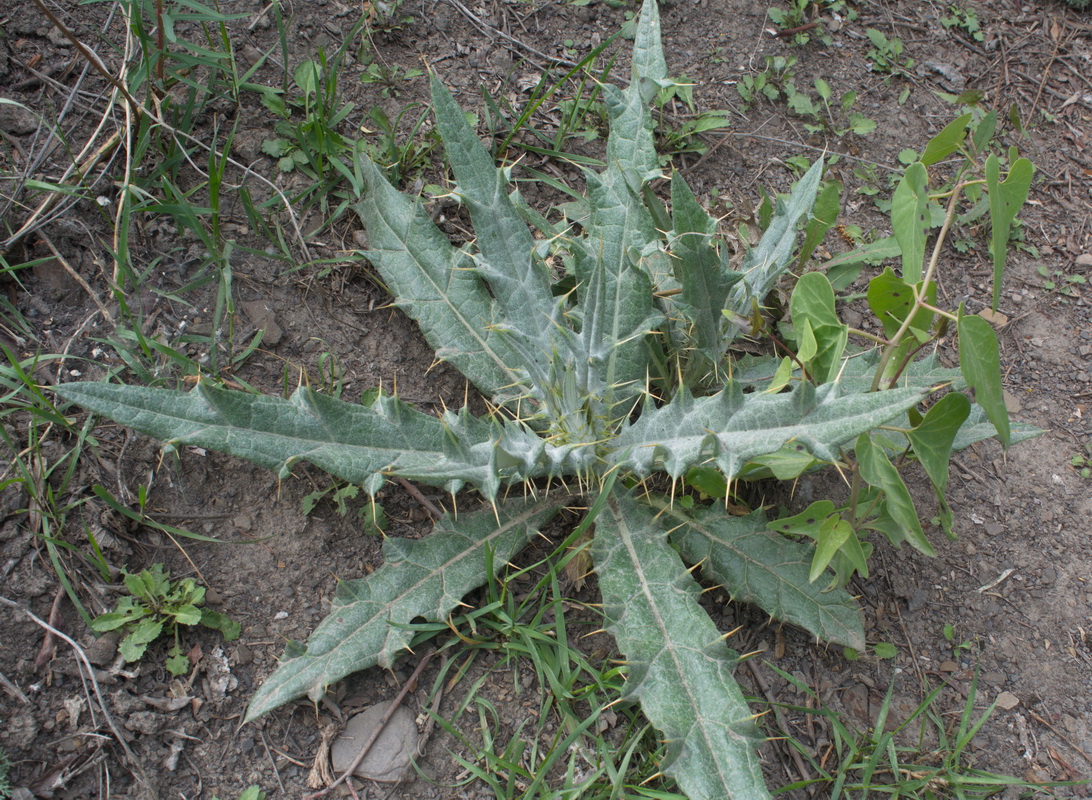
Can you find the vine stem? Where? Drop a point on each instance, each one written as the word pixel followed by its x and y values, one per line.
pixel 867 335
pixel 919 294
pixel 919 302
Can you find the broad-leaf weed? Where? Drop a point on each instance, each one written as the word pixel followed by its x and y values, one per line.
pixel 618 385
pixel 157 606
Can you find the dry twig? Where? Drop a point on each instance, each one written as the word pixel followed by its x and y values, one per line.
pixel 86 664
pixel 410 683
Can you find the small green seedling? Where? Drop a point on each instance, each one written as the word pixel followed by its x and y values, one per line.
pixel 886 54
pixel 770 83
pixel 383 19
pixel 966 646
pixel 684 137
pixel 795 25
pixel 389 77
pixel 882 650
pixel 964 20
pixel 838 119
pixel 307 137
pixel 1082 462
pixel 371 514
pixel 250 793
pixel 1055 280
pixel 156 605
pixel 402 156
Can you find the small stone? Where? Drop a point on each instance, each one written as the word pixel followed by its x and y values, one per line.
pixel 261 316
pixel 19 730
pixel 390 754
pixel 949 666
pixel 57 37
pixel 1007 701
pixel 1084 260
pixel 213 597
pixel 146 722
pixel 995 318
pixel 917 600
pixel 102 651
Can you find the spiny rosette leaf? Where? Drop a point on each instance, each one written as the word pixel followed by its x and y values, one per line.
pixel 772 256
pixel 758 566
pixel 615 260
pixel 680 668
pixel 361 444
pixel 703 279
pixel 423 578
pixel 506 257
pixel 730 428
pixel 437 285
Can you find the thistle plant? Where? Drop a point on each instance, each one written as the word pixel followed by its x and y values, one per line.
pixel 620 387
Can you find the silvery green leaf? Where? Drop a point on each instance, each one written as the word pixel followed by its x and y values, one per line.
pixel 506 257
pixel 614 287
pixel 437 285
pixel 358 443
pixel 680 668
pixel 700 273
pixel 424 578
pixel 772 256
pixel 859 369
pixel 730 428
pixel 978 427
pixel 648 60
pixel 759 566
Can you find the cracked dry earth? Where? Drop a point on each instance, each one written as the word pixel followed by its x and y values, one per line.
pixel 1015 588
